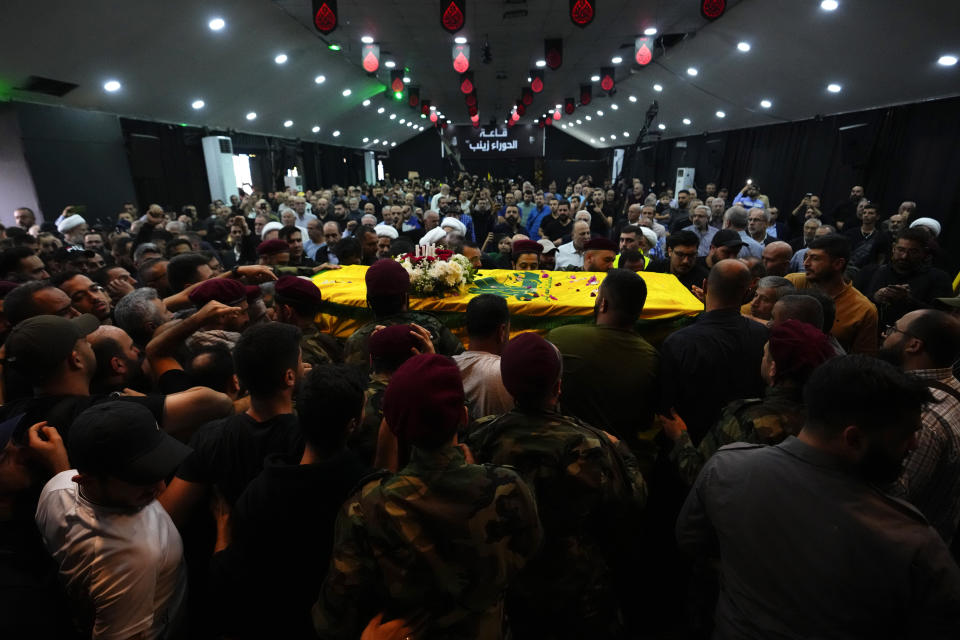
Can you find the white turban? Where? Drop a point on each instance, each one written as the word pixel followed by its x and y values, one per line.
pixel 929 223
pixel 270 226
pixel 650 235
pixel 386 230
pixel 74 221
pixel 455 225
pixel 433 236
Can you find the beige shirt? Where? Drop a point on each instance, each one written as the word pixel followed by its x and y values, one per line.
pixel 482 384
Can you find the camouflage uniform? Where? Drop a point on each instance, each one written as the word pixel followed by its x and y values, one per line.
pixel 589 494
pixel 363 440
pixel 445 343
pixel 767 420
pixel 437 542
pixel 314 347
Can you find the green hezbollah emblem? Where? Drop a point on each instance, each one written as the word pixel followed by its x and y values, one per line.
pixel 523 285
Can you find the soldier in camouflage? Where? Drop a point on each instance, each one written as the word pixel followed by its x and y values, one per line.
pixel 589 493
pixel 387 286
pixel 297 301
pixel 436 544
pixel 791 354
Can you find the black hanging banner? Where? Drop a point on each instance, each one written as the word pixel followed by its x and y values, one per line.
pixel 518 141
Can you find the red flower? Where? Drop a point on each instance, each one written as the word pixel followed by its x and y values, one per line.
pixel 444 254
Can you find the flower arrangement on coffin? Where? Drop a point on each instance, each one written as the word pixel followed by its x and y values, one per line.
pixel 434 272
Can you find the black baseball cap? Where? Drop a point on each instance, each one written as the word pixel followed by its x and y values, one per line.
pixel 121 438
pixel 40 344
pixel 727 238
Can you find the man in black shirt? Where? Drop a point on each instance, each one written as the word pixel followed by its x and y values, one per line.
pixel 558 226
pixel 682 260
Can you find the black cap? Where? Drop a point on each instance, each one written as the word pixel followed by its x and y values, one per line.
pixel 41 343
pixel 122 439
pixel 727 238
pixel 72 252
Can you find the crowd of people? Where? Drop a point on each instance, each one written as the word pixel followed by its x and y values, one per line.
pixel 186 453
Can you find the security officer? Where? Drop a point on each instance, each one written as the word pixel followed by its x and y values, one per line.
pixel 297 301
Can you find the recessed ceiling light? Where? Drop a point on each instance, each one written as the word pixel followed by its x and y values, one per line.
pixel 216 24
pixel 599 113
pixel 650 31
pixel 613 136
pixel 541 63
pixel 198 104
pixel 529 79
pixel 632 98
pixel 393 116
pixel 614 106
pixel 592 141
pixel 346 93
pixel 410 124
pixel 563 126
pixel 602 139
pixel 743 46
pixel 336 134
pixel 385 143
pixel 594 78
pixel 692 71
pixel 252 115
pixel 421 128
pixel 333 46
pixel 433 107
pixel 367 39
pixel 403 120
pixel 320 79
pixel 721 114
pixel 366 103
pixel 376 141
pixel 381 110
pixel 626 135
pixel 686 121
pixel 661 126
pixel 460 40
pixel 288 123
pixel 316 129
pixel 616 59
pixel 829 5
pixel 834 88
pixel 366 140
pixel 393 144
pixel 281 58
pixel 947 60
pixel 657 87
pixel 588 117
pixel 579 121
pixel 390 64
pixel 766 104
pixel 111 86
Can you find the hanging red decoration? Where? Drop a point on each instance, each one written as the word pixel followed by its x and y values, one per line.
pixel 536 83
pixel 471 99
pixel 569 104
pixel 514 116
pixel 370 53
pixel 556 114
pixel 643 51
pixel 461 57
pixel 413 96
pixel 526 96
pixel 425 107
pixel 443 124
pixel 586 94
pixel 475 117
pixel 325 15
pixel 472 110
pixel 452 15
pixel 582 12
pixel 607 79
pixel 712 9
pixel 553 52
pixel 466 82
pixel 433 116
pixel 521 109
pixel 396 80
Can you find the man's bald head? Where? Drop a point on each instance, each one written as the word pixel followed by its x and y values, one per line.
pixel 776 258
pixel 727 284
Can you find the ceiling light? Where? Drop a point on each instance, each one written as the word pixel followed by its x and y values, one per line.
pixel 389 64
pixel 334 46
pixel 613 136
pixel 376 141
pixel 947 60
pixel 650 31
pixel 563 126
pixel 686 121
pixel 198 104
pixel 599 113
pixel 766 104
pixel 346 93
pixel 592 141
pixel 661 126
pixel 460 40
pixel 316 129
pixel 433 107
pixel 288 123
pixel 216 24
pixel 252 115
pixel 280 59
pixel 529 79
pixel 588 117
pixel 336 134
pixel 616 59
pixel 393 116
pixel 367 39
pixel 594 78
pixel 111 86
pixel 385 143
pixel 541 63
pixel 393 144
pixel 602 139
pixel 692 71
pixel 381 110
pixel 632 98
pixel 406 79
pixel 657 87
pixel 834 88
pixel 829 5
pixel 366 103
pixel 320 79
pixel 402 120
pixel 421 128
pixel 721 114
pixel 626 135
pixel 366 140
pixel 410 124
pixel 579 121
pixel 614 106
pixel 743 46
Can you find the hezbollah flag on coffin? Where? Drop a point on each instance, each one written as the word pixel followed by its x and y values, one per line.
pixel 538 300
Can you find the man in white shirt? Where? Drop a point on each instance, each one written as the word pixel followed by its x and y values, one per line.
pixel 120 555
pixel 488 325
pixel 571 253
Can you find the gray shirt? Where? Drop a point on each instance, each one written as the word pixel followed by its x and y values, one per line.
pixel 808 550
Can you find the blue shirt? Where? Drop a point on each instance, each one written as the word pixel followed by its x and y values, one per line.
pixel 751 248
pixel 706 237
pixel 533 222
pixel 747 202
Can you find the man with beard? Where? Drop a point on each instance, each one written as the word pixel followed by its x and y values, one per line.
pixel 807 547
pixel 844 214
pixel 511 225
pixel 558 226
pixel 925 344
pixel 682 261
pixel 120 363
pixel 700 219
pixel 86 296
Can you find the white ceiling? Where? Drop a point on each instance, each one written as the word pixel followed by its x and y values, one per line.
pixel 881 52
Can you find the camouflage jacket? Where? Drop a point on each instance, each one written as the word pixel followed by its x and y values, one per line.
pixel 767 420
pixel 437 542
pixel 445 343
pixel 589 493
pixel 314 347
pixel 363 440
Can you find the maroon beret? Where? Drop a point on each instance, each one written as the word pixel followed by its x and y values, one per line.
pixel 798 348
pixel 387 277
pixel 526 246
pixel 423 403
pixel 271 247
pixel 223 290
pixel 254 293
pixel 529 366
pixel 390 347
pixel 600 244
pixel 298 290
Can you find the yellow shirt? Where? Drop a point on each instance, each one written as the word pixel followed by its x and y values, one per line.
pixel 855 327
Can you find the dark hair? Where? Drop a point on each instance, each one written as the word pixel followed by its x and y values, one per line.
pixel 631 228
pixel 330 397
pixel 683 191
pixel 683 239
pixel 263 355
pixel 485 314
pixel 348 248
pixel 940 333
pixel 173 244
pixel 626 292
pixel 863 391
pixel 362 230
pixel 401 246
pixel 803 308
pixel 286 232
pixel 917 234
pixel 563 201
pixel 15 233
pixel 104 349
pixel 215 371
pixel 182 269
pixel 63 276
pixel 147 267
pixel 834 245
pixel 161 234
pixel 629 256
pixel 828 306
pixel 10 260
pixel 18 305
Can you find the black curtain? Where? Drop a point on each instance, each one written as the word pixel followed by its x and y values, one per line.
pixel 167 164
